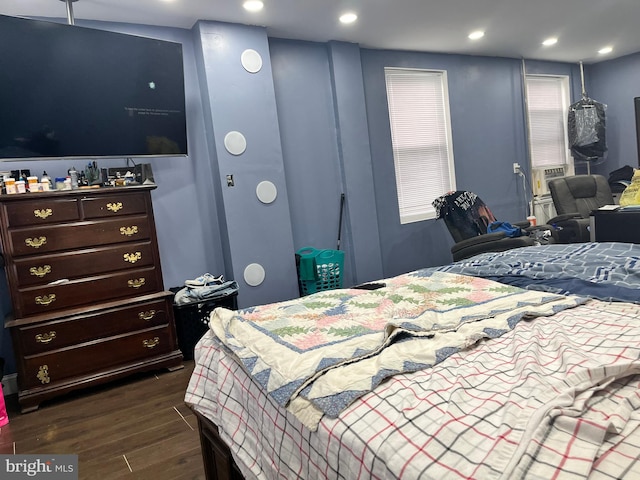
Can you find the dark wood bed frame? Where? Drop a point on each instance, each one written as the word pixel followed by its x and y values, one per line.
pixel 216 456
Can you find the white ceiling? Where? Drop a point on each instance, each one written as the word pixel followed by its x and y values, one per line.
pixel 514 28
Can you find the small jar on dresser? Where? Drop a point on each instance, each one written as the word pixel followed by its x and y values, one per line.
pixel 85 280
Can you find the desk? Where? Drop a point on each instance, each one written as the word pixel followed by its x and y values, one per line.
pixel 622 225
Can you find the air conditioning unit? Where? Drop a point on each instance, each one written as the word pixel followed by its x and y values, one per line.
pixel 542 175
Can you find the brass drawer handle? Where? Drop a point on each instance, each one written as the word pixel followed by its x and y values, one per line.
pixel 132 257
pixel 114 207
pixel 128 231
pixel 43 374
pixel 35 242
pixel 151 343
pixel 40 271
pixel 45 337
pixel 46 299
pixel 136 283
pixel 44 213
pixel 147 315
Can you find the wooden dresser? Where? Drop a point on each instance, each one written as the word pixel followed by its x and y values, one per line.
pixel 84 275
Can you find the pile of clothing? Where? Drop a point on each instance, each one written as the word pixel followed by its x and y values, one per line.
pixel 204 288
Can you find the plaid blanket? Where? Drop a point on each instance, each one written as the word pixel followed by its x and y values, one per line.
pixel 317 354
pixel 556 397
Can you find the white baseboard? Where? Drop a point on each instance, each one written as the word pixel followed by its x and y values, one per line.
pixel 10 384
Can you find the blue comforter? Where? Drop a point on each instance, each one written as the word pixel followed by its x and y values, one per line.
pixel 605 271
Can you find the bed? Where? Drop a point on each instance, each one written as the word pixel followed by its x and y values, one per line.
pixel 518 364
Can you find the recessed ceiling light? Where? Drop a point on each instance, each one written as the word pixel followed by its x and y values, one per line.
pixel 605 50
pixel 253 5
pixel 550 41
pixel 348 17
pixel 476 35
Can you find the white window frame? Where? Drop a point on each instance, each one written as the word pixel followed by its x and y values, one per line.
pixel 547 113
pixel 420 123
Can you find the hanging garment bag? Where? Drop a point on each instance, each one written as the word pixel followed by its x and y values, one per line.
pixel 587 130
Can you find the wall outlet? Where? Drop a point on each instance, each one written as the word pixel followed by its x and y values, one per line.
pixel 516 167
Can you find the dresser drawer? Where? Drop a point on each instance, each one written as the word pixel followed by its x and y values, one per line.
pixel 41 211
pixel 86 291
pixel 48 336
pixel 34 241
pixel 43 269
pixel 92 357
pixel 114 205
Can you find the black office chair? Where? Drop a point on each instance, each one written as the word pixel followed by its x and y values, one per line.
pixel 574 198
pixel 467 218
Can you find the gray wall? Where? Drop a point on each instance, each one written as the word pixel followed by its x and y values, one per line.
pixel 317 126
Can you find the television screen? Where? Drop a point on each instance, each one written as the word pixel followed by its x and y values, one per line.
pixel 68 91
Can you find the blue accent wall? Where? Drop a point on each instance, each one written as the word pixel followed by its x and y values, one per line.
pixel 240 101
pixel 489 134
pixel 615 83
pixel 325 140
pixel 303 91
pixel 315 118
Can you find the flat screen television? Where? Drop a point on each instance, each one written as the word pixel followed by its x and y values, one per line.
pixel 74 92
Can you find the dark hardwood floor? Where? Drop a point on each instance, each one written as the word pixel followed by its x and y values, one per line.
pixel 137 428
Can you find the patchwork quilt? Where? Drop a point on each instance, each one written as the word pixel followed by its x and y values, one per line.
pixel 317 354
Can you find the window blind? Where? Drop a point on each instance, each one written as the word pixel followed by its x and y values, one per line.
pixel 421 138
pixel 548 103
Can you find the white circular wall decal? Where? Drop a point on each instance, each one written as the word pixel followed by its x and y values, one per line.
pixel 254 274
pixel 266 192
pixel 251 61
pixel 235 143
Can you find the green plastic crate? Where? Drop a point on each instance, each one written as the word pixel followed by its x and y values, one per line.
pixel 319 270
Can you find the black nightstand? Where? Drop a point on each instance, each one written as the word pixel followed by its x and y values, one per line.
pixel 620 225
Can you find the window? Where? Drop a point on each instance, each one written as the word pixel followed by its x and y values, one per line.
pixel 421 138
pixel 547 110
